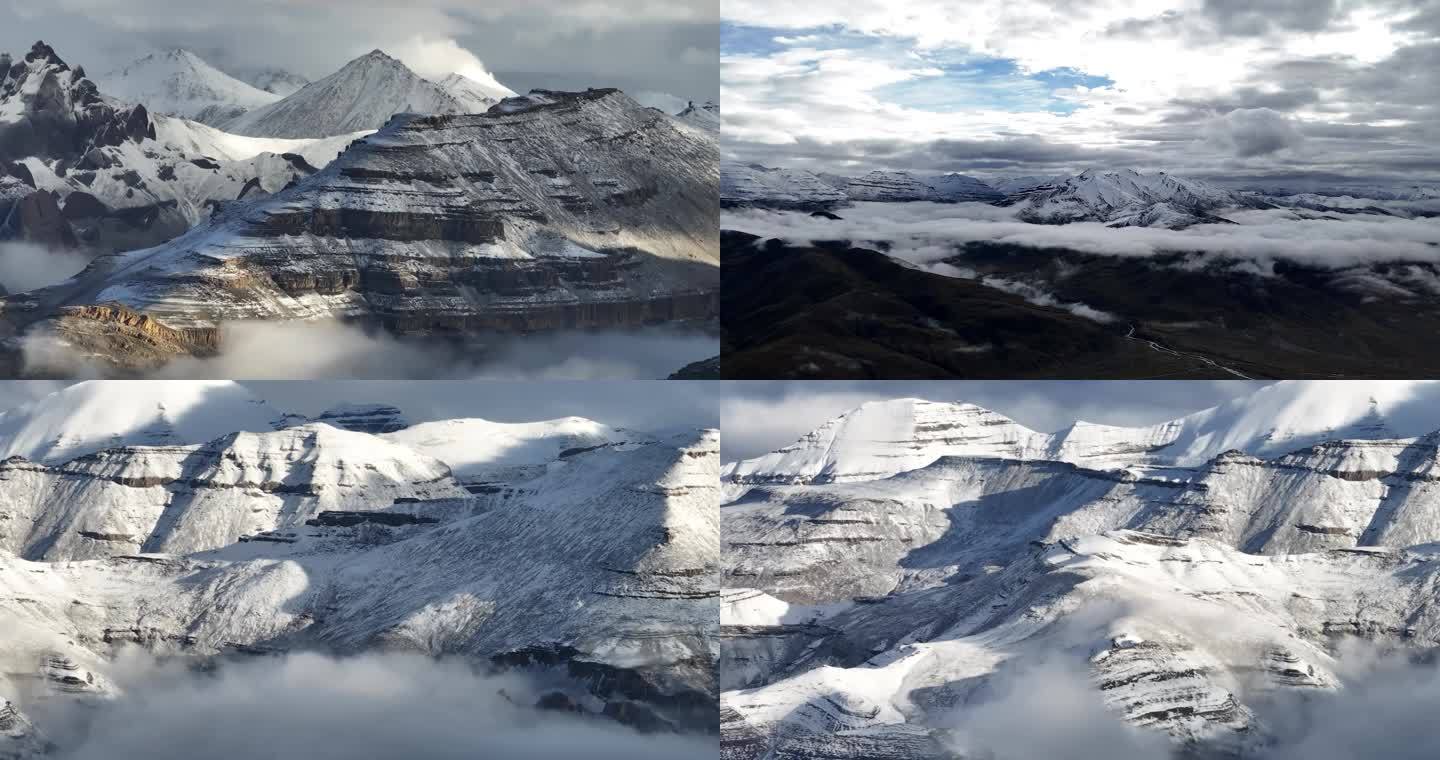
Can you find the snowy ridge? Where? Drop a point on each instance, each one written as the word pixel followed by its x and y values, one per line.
pixel 900 187
pixel 362 95
pixel 880 439
pixel 180 83
pixel 475 96
pixel 297 539
pixel 278 81
pixel 752 184
pixel 483 451
pixel 122 179
pixel 447 224
pixel 1128 198
pixel 705 116
pixel 1188 570
pixel 86 417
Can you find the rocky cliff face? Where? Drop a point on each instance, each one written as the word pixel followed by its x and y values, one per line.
pixel 79 169
pixel 553 210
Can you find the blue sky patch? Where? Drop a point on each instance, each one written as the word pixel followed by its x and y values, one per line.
pixel 965 82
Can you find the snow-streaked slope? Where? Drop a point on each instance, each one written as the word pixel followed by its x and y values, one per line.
pixel 752 184
pixel 1179 638
pixel 480 450
pixel 880 439
pixel 597 578
pixel 278 81
pixel 705 116
pixel 362 95
pixel 1186 574
pixel 474 95
pixel 180 83
pixel 1128 198
pixel 185 499
pixel 195 139
pixel 899 187
pixel 1021 184
pixel 96 414
pixel 585 210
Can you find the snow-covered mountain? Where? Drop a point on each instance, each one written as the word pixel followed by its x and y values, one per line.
pixel 883 438
pixel 595 573
pixel 756 185
pixel 1128 198
pixel 900 187
pixel 87 171
pixel 362 95
pixel 475 96
pixel 705 116
pixel 1021 184
pixel 911 562
pixel 551 211
pixel 277 81
pixel 180 83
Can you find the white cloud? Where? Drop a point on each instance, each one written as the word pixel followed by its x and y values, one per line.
pixel 925 232
pixel 1159 55
pixel 1255 132
pixel 26 266
pixel 436 59
pixel 312 706
pixel 302 350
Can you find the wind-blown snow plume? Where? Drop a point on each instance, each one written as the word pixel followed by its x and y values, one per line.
pixel 435 59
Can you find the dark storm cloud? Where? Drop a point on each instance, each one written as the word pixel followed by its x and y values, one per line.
pixel 1254 97
pixel 762 416
pixel 1260 17
pixel 639 45
pixel 1256 132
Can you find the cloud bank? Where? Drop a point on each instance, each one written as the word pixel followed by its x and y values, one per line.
pixel 322 708
pixel 1228 90
pixel 302 350
pixel 26 266
pixel 923 233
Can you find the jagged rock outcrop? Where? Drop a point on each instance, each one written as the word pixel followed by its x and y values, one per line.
pixel 85 170
pixel 364 418
pixel 551 211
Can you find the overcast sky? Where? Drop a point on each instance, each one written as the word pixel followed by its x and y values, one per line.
pixel 757 417
pixel 667 46
pixel 651 405
pixel 1244 90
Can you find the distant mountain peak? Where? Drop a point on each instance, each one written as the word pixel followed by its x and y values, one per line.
pixel 363 94
pixel 177 82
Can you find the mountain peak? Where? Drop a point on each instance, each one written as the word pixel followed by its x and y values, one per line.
pixel 377 55
pixel 41 51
